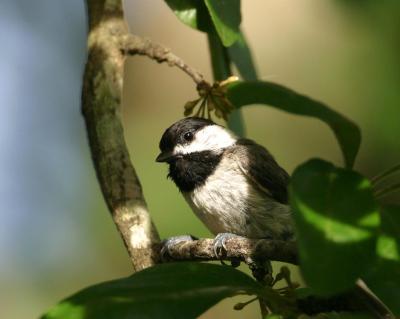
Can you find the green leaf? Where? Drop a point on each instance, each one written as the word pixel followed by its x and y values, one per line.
pixel 240 55
pixel 337 221
pixel 220 62
pixel 226 17
pixel 347 133
pixel 210 15
pixel 221 71
pixel 384 278
pixel 304 292
pixel 178 290
pixel 193 13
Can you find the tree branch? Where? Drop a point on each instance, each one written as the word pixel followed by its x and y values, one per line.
pixel 134 45
pixel 101 107
pixel 238 248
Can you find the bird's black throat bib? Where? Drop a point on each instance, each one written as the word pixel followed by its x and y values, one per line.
pixel 193 169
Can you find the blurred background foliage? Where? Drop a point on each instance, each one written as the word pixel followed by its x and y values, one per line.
pixel 55 233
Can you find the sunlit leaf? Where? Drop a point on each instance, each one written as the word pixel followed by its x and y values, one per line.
pixel 222 16
pixel 384 279
pixel 336 221
pixel 193 13
pixel 278 96
pixel 179 290
pixel 226 18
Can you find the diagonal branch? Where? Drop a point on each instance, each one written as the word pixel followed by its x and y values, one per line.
pixel 101 107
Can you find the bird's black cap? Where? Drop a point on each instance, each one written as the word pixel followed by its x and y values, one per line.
pixel 174 134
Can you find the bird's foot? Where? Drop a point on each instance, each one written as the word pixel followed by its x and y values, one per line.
pixel 219 244
pixel 168 243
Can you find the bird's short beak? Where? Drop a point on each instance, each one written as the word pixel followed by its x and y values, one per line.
pixel 164 157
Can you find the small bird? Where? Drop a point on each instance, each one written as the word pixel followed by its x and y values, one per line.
pixel 236 188
pixel 232 184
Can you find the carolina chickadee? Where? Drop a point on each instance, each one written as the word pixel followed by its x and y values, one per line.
pixel 232 184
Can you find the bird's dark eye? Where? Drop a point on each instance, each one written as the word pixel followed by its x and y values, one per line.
pixel 188 136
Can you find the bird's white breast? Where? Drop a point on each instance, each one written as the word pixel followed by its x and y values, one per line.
pixel 228 202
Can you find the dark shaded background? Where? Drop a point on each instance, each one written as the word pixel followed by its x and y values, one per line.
pixel 55 233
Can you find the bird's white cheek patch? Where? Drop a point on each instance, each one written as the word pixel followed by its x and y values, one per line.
pixel 209 138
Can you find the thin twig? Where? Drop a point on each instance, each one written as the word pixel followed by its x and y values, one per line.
pixel 378 178
pixel 135 45
pixel 387 190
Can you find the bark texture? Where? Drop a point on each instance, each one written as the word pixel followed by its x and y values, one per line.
pixel 101 107
pixel 237 249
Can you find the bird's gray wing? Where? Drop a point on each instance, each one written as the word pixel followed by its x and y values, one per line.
pixel 261 168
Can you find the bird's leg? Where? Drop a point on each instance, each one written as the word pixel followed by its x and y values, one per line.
pixel 172 241
pixel 219 244
pixel 220 248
